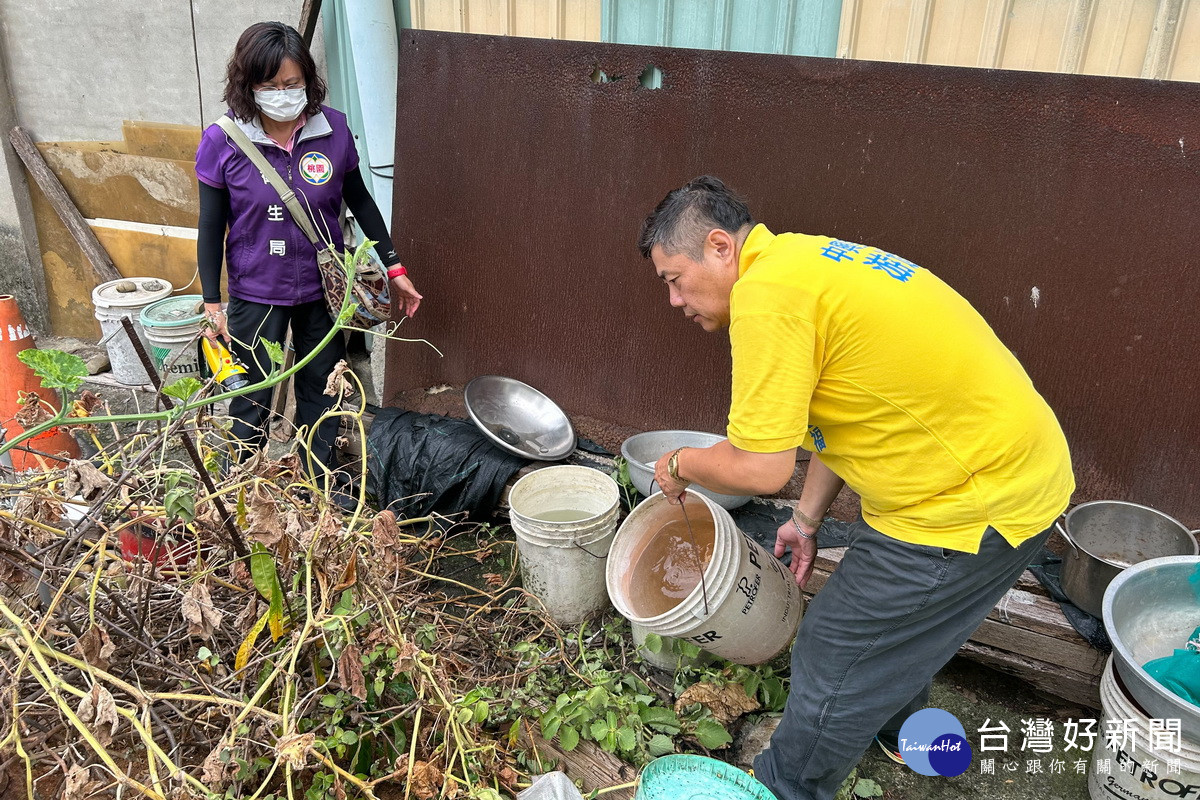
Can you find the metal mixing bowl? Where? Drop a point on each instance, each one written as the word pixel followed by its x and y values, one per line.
pixel 1150 610
pixel 645 449
pixel 519 418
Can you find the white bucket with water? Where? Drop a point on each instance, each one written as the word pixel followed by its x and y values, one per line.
pixel 172 327
pixel 746 609
pixel 564 518
pixel 1138 771
pixel 115 300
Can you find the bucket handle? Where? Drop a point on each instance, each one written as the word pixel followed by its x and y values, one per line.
pixel 1063 530
pixel 589 552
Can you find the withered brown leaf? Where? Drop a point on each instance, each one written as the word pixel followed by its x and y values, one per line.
pixel 199 612
pixel 338 384
pixel 96 647
pixel 263 523
pixel 100 710
pixel 726 703
pixel 351 672
pixel 425 780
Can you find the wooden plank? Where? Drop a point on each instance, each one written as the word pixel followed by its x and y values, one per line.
pixel 1040 614
pixel 46 180
pixel 1052 679
pixel 595 767
pixel 309 13
pixel 1079 658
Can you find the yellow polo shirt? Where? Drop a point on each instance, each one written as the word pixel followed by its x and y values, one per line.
pixel 900 386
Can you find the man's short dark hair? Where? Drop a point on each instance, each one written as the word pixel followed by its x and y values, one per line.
pixel 260 51
pixel 687 214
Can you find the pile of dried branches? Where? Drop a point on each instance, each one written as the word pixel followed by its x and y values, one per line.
pixel 145 649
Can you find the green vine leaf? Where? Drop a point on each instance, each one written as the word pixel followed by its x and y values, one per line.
pixel 660 745
pixel 58 370
pixel 274 352
pixel 183 388
pixel 568 738
pixel 711 734
pixel 180 497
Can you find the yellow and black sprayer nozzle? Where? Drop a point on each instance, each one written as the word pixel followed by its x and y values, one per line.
pixel 228 373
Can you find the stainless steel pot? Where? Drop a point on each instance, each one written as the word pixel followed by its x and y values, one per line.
pixel 1105 537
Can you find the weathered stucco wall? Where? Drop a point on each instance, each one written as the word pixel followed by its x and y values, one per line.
pixel 1059 205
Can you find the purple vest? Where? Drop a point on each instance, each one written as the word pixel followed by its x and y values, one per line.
pixel 269 258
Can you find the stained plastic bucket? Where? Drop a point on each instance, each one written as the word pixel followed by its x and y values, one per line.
pixel 1136 770
pixel 171 328
pixel 748 606
pixel 678 777
pixel 115 300
pixel 562 559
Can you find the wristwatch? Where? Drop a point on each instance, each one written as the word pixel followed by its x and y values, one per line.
pixel 673 467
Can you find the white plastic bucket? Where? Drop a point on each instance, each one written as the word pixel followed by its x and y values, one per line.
pixel 562 558
pixel 1136 770
pixel 171 328
pixel 748 606
pixel 115 300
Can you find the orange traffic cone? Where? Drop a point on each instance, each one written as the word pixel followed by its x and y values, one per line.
pixel 52 446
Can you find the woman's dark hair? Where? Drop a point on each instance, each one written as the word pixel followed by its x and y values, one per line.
pixel 687 214
pixel 260 50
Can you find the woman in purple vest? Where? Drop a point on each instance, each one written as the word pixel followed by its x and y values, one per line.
pixel 275 96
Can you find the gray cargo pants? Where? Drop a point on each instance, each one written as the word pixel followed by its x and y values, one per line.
pixel 891 615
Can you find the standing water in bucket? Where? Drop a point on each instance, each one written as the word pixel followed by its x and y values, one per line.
pixel 564 518
pixel 670 565
pixel 747 607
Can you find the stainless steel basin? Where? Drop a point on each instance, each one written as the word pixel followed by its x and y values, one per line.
pixel 519 418
pixel 1150 610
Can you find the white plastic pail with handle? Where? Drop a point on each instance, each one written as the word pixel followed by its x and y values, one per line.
pixel 564 518
pixel 115 300
pixel 746 609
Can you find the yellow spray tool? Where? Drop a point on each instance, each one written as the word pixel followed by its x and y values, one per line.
pixel 229 374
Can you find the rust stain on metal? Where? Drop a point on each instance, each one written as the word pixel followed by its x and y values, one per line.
pixel 1061 206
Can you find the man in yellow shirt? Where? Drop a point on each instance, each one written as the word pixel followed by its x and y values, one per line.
pixel 899 389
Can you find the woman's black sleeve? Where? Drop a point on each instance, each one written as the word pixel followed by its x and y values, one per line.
pixel 354 192
pixel 210 239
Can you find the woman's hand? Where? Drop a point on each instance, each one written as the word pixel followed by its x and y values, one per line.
pixel 410 298
pixel 216 327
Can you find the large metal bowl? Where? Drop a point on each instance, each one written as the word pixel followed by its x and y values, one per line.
pixel 518 418
pixel 1150 610
pixel 645 449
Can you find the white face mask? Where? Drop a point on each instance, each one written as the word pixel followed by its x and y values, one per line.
pixel 281 105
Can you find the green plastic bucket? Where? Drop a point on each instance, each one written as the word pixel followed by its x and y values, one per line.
pixel 698 778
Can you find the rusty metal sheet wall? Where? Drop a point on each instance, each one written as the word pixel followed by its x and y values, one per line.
pixel 1062 206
